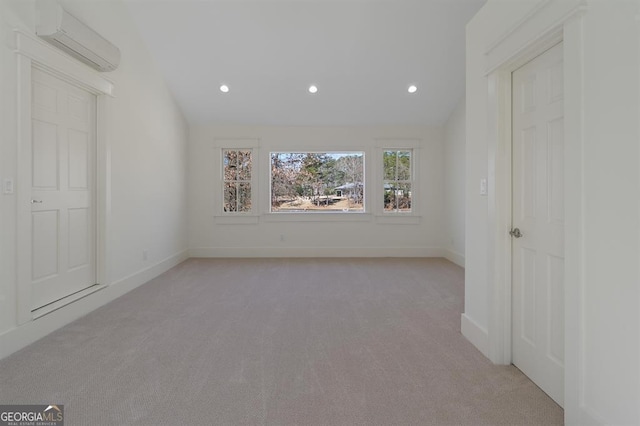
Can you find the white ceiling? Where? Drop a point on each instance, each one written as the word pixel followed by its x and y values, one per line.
pixel 362 55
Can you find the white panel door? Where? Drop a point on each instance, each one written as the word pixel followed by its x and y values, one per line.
pixel 538 212
pixel 63 236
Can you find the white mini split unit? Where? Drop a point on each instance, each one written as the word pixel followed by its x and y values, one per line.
pixel 67 33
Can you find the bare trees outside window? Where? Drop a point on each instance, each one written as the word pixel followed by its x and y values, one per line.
pixel 397 180
pixel 237 180
pixel 317 182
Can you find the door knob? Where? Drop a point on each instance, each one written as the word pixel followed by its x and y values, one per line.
pixel 515 233
pixel 36 201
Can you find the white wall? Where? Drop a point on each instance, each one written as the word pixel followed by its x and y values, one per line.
pixel 454 183
pixel 329 235
pixel 602 183
pixel 148 157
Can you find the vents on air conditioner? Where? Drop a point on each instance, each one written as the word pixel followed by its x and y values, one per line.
pixel 63 30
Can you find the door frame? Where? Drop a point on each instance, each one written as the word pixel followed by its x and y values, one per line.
pixel 508 53
pixel 34 53
pixel 500 199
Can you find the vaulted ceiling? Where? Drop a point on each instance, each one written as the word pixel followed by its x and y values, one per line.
pixel 361 54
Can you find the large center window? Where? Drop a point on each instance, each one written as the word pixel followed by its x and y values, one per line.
pixel 317 182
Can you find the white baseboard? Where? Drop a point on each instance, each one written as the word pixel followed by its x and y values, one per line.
pixel 149 273
pixel 455 257
pixel 477 335
pixel 17 338
pixel 316 252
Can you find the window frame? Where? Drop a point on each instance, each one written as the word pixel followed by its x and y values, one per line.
pixel 373 193
pixel 237 182
pixel 398 217
pixel 236 217
pixel 396 180
pixel 317 215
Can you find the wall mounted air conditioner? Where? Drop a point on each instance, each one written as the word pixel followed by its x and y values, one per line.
pixel 67 33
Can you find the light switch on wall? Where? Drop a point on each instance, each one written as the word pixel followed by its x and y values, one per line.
pixel 7 186
pixel 483 187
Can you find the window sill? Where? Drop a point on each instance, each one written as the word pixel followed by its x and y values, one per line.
pixel 317 217
pixel 398 219
pixel 383 219
pixel 237 219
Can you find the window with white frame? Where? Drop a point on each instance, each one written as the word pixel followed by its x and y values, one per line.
pixel 315 182
pixel 237 165
pixel 397 166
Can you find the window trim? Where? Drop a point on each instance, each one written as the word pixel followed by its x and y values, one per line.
pixel 237 182
pixel 398 217
pixel 409 181
pixel 261 183
pixel 315 216
pixel 224 217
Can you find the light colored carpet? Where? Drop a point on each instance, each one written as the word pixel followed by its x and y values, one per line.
pixel 278 342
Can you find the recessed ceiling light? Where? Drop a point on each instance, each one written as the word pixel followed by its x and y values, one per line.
pixel 412 89
pixel 224 88
pixel 313 88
